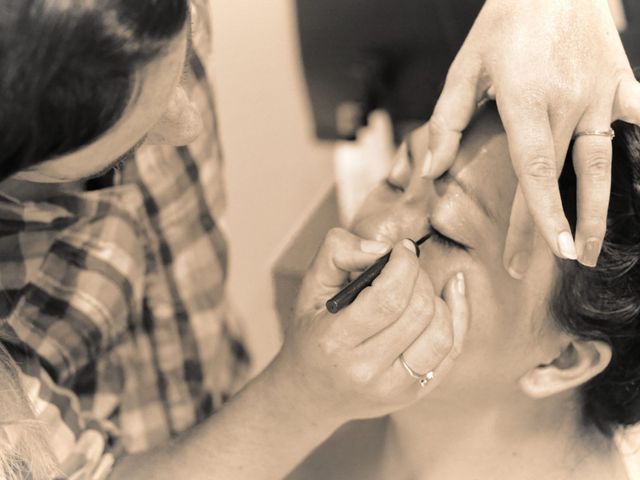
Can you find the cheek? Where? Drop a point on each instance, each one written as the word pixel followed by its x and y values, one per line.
pixel 500 312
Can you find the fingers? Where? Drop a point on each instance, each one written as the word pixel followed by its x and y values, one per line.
pixel 452 114
pixel 455 296
pixel 520 236
pixel 439 341
pixel 626 105
pixel 342 253
pixel 592 164
pixel 396 338
pixel 388 297
pixel 531 145
pixel 592 157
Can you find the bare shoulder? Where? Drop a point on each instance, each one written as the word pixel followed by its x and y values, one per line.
pixel 352 452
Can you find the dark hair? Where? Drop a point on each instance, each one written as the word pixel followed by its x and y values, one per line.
pixel 67 68
pixel 603 303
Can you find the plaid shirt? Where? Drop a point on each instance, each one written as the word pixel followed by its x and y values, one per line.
pixel 113 300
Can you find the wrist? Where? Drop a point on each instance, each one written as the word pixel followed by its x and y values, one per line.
pixel 288 389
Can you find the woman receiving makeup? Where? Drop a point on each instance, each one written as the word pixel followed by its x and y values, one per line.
pixel 116 332
pixel 547 383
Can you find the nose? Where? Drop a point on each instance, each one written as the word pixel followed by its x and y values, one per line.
pixel 409 217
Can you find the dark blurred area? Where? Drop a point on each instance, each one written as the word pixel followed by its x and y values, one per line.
pixel 361 55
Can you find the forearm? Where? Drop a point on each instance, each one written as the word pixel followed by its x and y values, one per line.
pixel 261 434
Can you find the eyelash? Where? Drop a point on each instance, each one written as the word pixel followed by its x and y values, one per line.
pixel 393 187
pixel 446 241
pixel 186 69
pixel 435 234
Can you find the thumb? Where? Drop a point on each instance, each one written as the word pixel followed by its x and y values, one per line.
pixel 452 113
pixel 341 254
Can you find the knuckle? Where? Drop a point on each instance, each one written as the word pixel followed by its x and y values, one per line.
pixel 460 77
pixel 334 236
pixel 569 93
pixel 391 304
pixel 329 345
pixel 596 164
pixel 423 309
pixel 457 72
pixel 407 263
pixel 535 94
pixel 361 373
pixel 443 345
pixel 540 168
pixel 438 123
pixel 630 104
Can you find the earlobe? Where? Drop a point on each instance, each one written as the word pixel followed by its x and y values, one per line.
pixel 180 125
pixel 579 362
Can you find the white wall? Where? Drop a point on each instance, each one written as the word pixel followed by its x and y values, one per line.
pixel 276 171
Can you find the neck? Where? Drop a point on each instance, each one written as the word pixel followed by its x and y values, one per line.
pixel 465 440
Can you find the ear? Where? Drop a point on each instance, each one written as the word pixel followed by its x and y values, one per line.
pixel 180 124
pixel 579 362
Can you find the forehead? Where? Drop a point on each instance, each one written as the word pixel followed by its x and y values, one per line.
pixel 483 163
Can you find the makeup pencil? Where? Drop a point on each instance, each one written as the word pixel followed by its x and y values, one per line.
pixel 349 293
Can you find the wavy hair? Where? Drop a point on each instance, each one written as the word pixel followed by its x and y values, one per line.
pixel 603 303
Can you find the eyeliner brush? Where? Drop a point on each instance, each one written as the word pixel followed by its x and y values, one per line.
pixel 349 293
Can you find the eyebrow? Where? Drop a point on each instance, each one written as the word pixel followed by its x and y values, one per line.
pixel 472 193
pixel 446 176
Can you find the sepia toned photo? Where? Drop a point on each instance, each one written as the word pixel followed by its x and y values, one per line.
pixel 320 239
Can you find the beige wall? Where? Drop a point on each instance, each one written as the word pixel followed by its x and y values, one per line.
pixel 276 172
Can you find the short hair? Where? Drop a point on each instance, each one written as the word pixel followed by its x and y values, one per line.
pixel 67 70
pixel 603 303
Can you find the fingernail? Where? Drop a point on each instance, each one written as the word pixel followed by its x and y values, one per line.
pixel 426 166
pixel 591 252
pixel 519 265
pixel 566 246
pixel 410 245
pixel 371 246
pixel 460 283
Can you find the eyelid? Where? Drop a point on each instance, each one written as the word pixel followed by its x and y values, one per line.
pixel 392 186
pixel 447 241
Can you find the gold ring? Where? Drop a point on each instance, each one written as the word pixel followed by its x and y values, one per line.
pixel 598 133
pixel 422 379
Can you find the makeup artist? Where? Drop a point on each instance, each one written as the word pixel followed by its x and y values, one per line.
pixel 122 349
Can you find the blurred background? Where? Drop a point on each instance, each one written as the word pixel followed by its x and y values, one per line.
pixel 311 97
pixel 276 170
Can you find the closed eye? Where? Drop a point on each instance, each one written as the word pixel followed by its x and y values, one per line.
pixel 446 241
pixel 393 187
